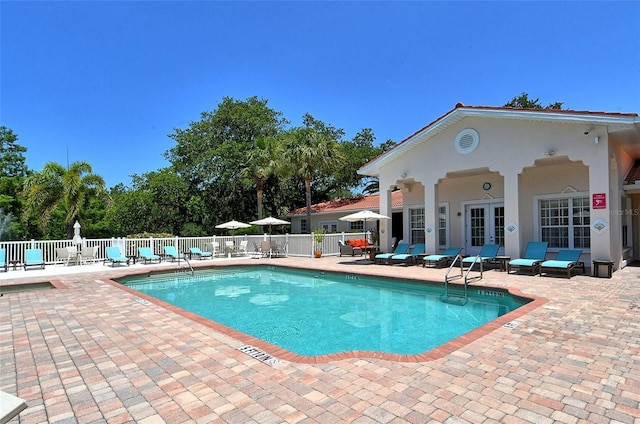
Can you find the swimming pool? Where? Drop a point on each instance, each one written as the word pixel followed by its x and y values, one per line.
pixel 318 313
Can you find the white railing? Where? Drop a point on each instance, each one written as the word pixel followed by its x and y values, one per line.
pixel 295 245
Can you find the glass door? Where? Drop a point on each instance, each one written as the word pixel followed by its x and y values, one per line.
pixel 484 224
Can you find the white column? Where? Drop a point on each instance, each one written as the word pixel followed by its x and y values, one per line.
pixel 512 231
pixel 385 224
pixel 431 218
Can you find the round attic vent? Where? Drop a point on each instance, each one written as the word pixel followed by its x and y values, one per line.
pixel 467 140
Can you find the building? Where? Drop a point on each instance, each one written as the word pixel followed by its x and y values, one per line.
pixel 326 215
pixel 481 175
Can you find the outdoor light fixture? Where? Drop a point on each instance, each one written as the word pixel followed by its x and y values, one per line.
pixel 596 139
pixel 549 153
pixel 404 175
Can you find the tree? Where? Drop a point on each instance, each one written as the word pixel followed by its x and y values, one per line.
pixel 312 151
pixel 523 101
pixel 262 162
pixel 69 189
pixel 13 171
pixel 216 155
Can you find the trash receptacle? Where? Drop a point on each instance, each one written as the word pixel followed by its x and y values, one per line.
pixel 602 269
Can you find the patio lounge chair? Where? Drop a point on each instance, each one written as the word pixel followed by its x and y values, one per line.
pixel 195 251
pixel 171 252
pixel 115 257
pixel 445 258
pixel 409 258
pixel 33 257
pixel 3 260
pixel 147 255
pixel 487 253
pixel 349 250
pixel 533 256
pixel 384 257
pixel 565 261
pixel 265 248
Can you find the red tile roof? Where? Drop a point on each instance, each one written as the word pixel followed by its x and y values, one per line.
pixel 634 173
pixel 371 202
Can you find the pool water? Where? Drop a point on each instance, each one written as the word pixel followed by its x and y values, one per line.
pixel 316 313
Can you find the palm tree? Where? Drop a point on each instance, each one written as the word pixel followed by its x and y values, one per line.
pixel 70 188
pixel 310 152
pixel 262 162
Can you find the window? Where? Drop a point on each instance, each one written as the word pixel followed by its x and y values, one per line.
pixel 329 226
pixel 443 225
pixel 303 226
pixel 564 222
pixel 416 225
pixel 356 226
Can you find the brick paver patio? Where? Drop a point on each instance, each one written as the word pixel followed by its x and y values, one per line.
pixel 91 352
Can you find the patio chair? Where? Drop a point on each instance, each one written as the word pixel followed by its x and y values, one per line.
pixel 566 261
pixel 213 247
pixel 33 257
pixel 265 248
pixel 195 251
pixel 64 256
pixel 3 260
pixel 533 256
pixel 487 253
pixel 242 248
pixel 89 254
pixel 349 250
pixel 172 252
pixel 409 258
pixel 384 257
pixel 229 248
pixel 115 257
pixel 436 261
pixel 147 255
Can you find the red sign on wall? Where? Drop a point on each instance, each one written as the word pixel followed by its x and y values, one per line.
pixel 599 201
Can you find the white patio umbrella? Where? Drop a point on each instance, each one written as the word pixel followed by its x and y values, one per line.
pixel 363 216
pixel 233 225
pixel 270 221
pixel 76 234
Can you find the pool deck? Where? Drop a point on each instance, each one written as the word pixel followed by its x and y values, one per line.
pixel 89 352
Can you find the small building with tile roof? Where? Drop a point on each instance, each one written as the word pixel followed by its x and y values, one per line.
pixel 327 214
pixel 497 175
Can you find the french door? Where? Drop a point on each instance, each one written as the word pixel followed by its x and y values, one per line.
pixel 484 224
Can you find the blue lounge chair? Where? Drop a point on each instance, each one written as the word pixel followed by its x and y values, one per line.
pixel 195 251
pixel 171 252
pixel 33 257
pixel 487 253
pixel 533 256
pixel 446 257
pixel 147 255
pixel 409 258
pixel 565 261
pixel 115 257
pixel 3 259
pixel 384 257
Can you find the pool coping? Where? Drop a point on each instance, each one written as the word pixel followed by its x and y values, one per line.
pixel 284 354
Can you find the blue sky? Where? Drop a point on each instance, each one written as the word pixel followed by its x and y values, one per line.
pixel 106 82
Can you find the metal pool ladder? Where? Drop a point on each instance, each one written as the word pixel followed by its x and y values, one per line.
pixel 188 263
pixel 454 294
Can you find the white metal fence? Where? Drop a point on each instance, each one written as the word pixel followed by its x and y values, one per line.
pixel 293 245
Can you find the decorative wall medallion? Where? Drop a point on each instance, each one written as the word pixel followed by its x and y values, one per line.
pixel 486 186
pixel 599 225
pixel 429 229
pixel 511 228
